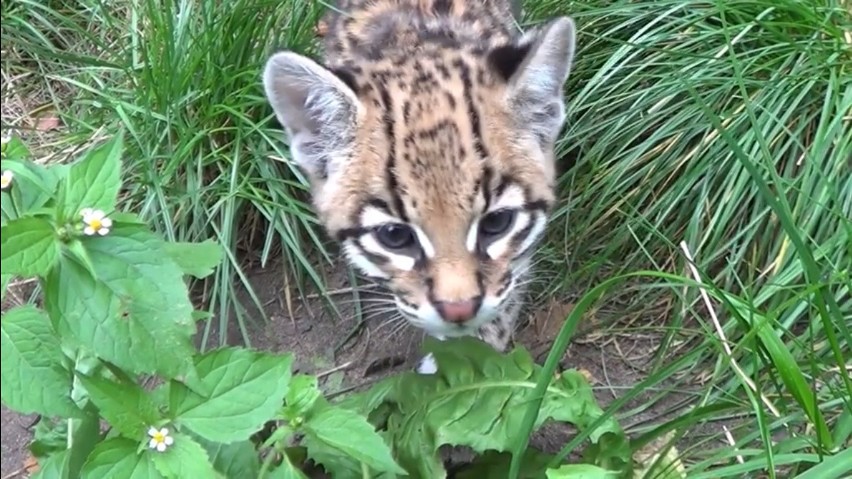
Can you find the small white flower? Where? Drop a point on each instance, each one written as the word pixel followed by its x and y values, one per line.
pixel 160 439
pixel 96 222
pixel 6 138
pixel 6 179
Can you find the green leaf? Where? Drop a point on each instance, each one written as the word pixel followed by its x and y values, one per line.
pixel 94 180
pixel 126 406
pixel 832 467
pixel 55 466
pixel 119 457
pixel 195 259
pixel 331 431
pixel 137 314
pixel 14 149
pixel 286 470
pixel 477 399
pixel 183 459
pixel 77 251
pixel 580 471
pixel 237 459
pixel 49 436
pixel 85 436
pixel 33 187
pixel 33 377
pixel 301 396
pixel 244 390
pixel 29 247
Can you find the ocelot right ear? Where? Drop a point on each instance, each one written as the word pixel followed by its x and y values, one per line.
pixel 535 69
pixel 318 110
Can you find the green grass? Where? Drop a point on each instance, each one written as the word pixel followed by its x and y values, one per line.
pixel 722 125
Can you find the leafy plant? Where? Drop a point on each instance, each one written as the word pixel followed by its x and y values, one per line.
pixel 477 399
pixel 112 343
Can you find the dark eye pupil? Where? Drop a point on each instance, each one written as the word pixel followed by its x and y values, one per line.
pixel 395 236
pixel 496 223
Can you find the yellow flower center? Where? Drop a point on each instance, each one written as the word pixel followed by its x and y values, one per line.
pixel 95 224
pixel 159 437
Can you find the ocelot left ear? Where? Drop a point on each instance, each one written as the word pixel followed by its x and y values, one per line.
pixel 535 70
pixel 317 107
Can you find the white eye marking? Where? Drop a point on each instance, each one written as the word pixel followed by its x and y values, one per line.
pixel 372 216
pixel 472 236
pixel 361 262
pixel 512 197
pixel 398 261
pixel 499 247
pixel 428 249
pixel 538 227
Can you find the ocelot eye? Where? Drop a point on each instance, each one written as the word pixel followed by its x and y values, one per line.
pixel 496 223
pixel 395 236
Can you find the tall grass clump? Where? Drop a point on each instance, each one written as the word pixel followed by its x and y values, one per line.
pixel 718 134
pixel 182 78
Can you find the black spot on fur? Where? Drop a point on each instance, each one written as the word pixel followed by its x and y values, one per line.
pixel 347 77
pixel 347 233
pixel 505 60
pixel 442 6
pixel 485 184
pixel 390 169
pixel 473 113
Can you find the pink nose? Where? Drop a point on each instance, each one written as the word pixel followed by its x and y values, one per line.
pixel 458 311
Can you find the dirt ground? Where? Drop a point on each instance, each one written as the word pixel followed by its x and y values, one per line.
pixel 378 346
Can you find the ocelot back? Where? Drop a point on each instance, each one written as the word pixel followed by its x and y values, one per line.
pixel 427 132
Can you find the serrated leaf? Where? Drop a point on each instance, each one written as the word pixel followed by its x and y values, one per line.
pixel 195 259
pixel 476 399
pixel 33 376
pixel 136 314
pixel 28 247
pixel 237 459
pixel 580 471
pixel 183 459
pixel 336 431
pixel 94 180
pixel 126 406
pixel 245 389
pixel 118 457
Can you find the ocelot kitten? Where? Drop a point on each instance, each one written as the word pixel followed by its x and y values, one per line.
pixel 427 134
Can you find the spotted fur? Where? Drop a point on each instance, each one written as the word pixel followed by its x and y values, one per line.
pixel 428 127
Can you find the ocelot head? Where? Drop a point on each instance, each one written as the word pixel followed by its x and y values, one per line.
pixel 434 171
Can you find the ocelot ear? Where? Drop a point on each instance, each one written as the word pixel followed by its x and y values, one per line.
pixel 317 109
pixel 535 70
